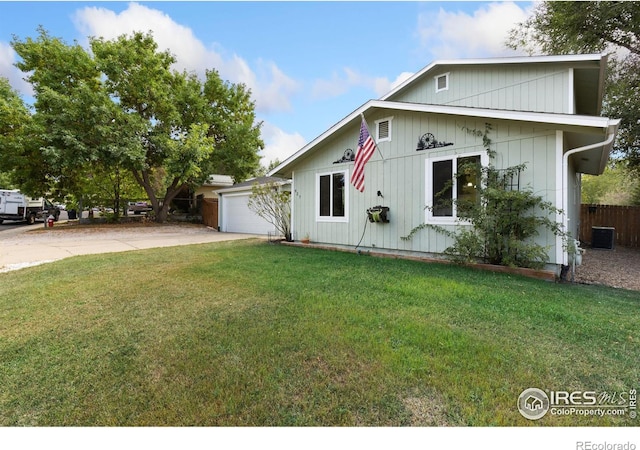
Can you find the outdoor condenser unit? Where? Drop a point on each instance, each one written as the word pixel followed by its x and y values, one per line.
pixel 602 237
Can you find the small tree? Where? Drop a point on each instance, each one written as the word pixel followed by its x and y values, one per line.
pixel 273 204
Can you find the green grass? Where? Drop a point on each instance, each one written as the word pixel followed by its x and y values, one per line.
pixel 247 333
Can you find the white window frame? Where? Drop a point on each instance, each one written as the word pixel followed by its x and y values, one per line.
pixel 453 219
pixel 332 218
pixel 446 77
pixel 378 122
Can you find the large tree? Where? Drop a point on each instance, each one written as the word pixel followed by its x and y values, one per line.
pixel 186 128
pixel 74 129
pixel 14 118
pixel 576 27
pixel 122 107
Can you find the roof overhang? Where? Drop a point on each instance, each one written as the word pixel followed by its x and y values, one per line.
pixel 597 61
pixel 248 185
pixel 218 180
pixel 594 160
pixel 576 124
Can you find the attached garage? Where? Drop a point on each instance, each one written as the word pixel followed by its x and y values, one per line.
pixel 234 213
pixel 238 218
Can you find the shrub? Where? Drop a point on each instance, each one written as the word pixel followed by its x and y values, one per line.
pixel 273 204
pixel 502 221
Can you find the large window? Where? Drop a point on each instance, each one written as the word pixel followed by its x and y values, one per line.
pixel 452 185
pixel 332 196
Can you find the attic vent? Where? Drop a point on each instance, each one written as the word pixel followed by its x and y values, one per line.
pixel 383 129
pixel 442 82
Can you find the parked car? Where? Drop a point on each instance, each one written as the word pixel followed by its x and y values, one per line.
pixel 139 207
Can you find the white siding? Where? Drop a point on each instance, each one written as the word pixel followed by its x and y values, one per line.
pixel 400 177
pixel 521 88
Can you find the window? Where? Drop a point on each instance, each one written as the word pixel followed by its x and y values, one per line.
pixel 383 129
pixel 452 185
pixel 442 82
pixel 332 197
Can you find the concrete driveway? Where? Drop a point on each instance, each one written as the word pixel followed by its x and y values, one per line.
pixel 32 245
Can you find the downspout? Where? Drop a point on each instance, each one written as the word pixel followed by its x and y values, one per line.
pixel 565 180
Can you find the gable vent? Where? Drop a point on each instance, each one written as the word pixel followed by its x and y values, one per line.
pixel 442 82
pixel 383 130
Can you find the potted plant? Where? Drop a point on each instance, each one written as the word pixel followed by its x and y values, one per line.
pixel 305 239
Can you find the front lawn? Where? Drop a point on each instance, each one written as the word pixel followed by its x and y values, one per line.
pixel 248 333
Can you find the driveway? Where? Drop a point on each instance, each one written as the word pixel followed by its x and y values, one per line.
pixel 32 245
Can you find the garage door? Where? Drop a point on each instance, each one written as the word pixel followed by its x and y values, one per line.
pixel 238 218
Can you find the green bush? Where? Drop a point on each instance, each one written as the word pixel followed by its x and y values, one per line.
pixel 503 221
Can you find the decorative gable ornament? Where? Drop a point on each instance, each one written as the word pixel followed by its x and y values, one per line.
pixel 428 141
pixel 348 156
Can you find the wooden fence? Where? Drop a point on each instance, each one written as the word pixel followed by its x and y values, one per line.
pixel 210 212
pixel 625 220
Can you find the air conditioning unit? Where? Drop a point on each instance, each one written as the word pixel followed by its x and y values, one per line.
pixel 602 237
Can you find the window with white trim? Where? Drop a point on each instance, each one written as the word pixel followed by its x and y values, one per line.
pixel 451 183
pixel 332 197
pixel 442 82
pixel 383 129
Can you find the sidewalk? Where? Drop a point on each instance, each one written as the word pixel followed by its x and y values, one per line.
pixel 33 245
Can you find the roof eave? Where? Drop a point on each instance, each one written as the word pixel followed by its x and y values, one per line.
pixel 602 57
pixel 494 114
pixel 606 151
pixel 280 170
pixel 246 187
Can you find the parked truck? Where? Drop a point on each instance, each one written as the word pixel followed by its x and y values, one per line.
pixel 14 205
pixel 139 207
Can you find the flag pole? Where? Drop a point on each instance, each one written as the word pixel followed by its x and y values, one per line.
pixel 372 138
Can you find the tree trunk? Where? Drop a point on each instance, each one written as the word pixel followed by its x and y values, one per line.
pixel 162 213
pixel 160 206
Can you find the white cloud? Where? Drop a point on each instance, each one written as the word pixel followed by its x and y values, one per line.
pixel 278 144
pixel 271 88
pixel 399 80
pixel 449 35
pixel 11 72
pixel 340 83
pixel 333 87
pixel 446 35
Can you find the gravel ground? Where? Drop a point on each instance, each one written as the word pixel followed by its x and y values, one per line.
pixel 618 268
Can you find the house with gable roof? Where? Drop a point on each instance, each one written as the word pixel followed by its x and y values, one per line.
pixel 541 111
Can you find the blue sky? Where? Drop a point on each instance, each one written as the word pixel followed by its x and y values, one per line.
pixel 308 64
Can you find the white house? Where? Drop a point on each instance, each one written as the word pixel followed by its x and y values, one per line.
pixel 543 111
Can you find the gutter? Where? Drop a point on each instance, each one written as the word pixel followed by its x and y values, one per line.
pixel 565 175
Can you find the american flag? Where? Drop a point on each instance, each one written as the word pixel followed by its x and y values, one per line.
pixel 365 149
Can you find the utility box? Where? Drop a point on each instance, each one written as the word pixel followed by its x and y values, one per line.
pixel 378 214
pixel 603 237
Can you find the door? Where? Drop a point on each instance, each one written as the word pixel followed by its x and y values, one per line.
pixel 238 218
